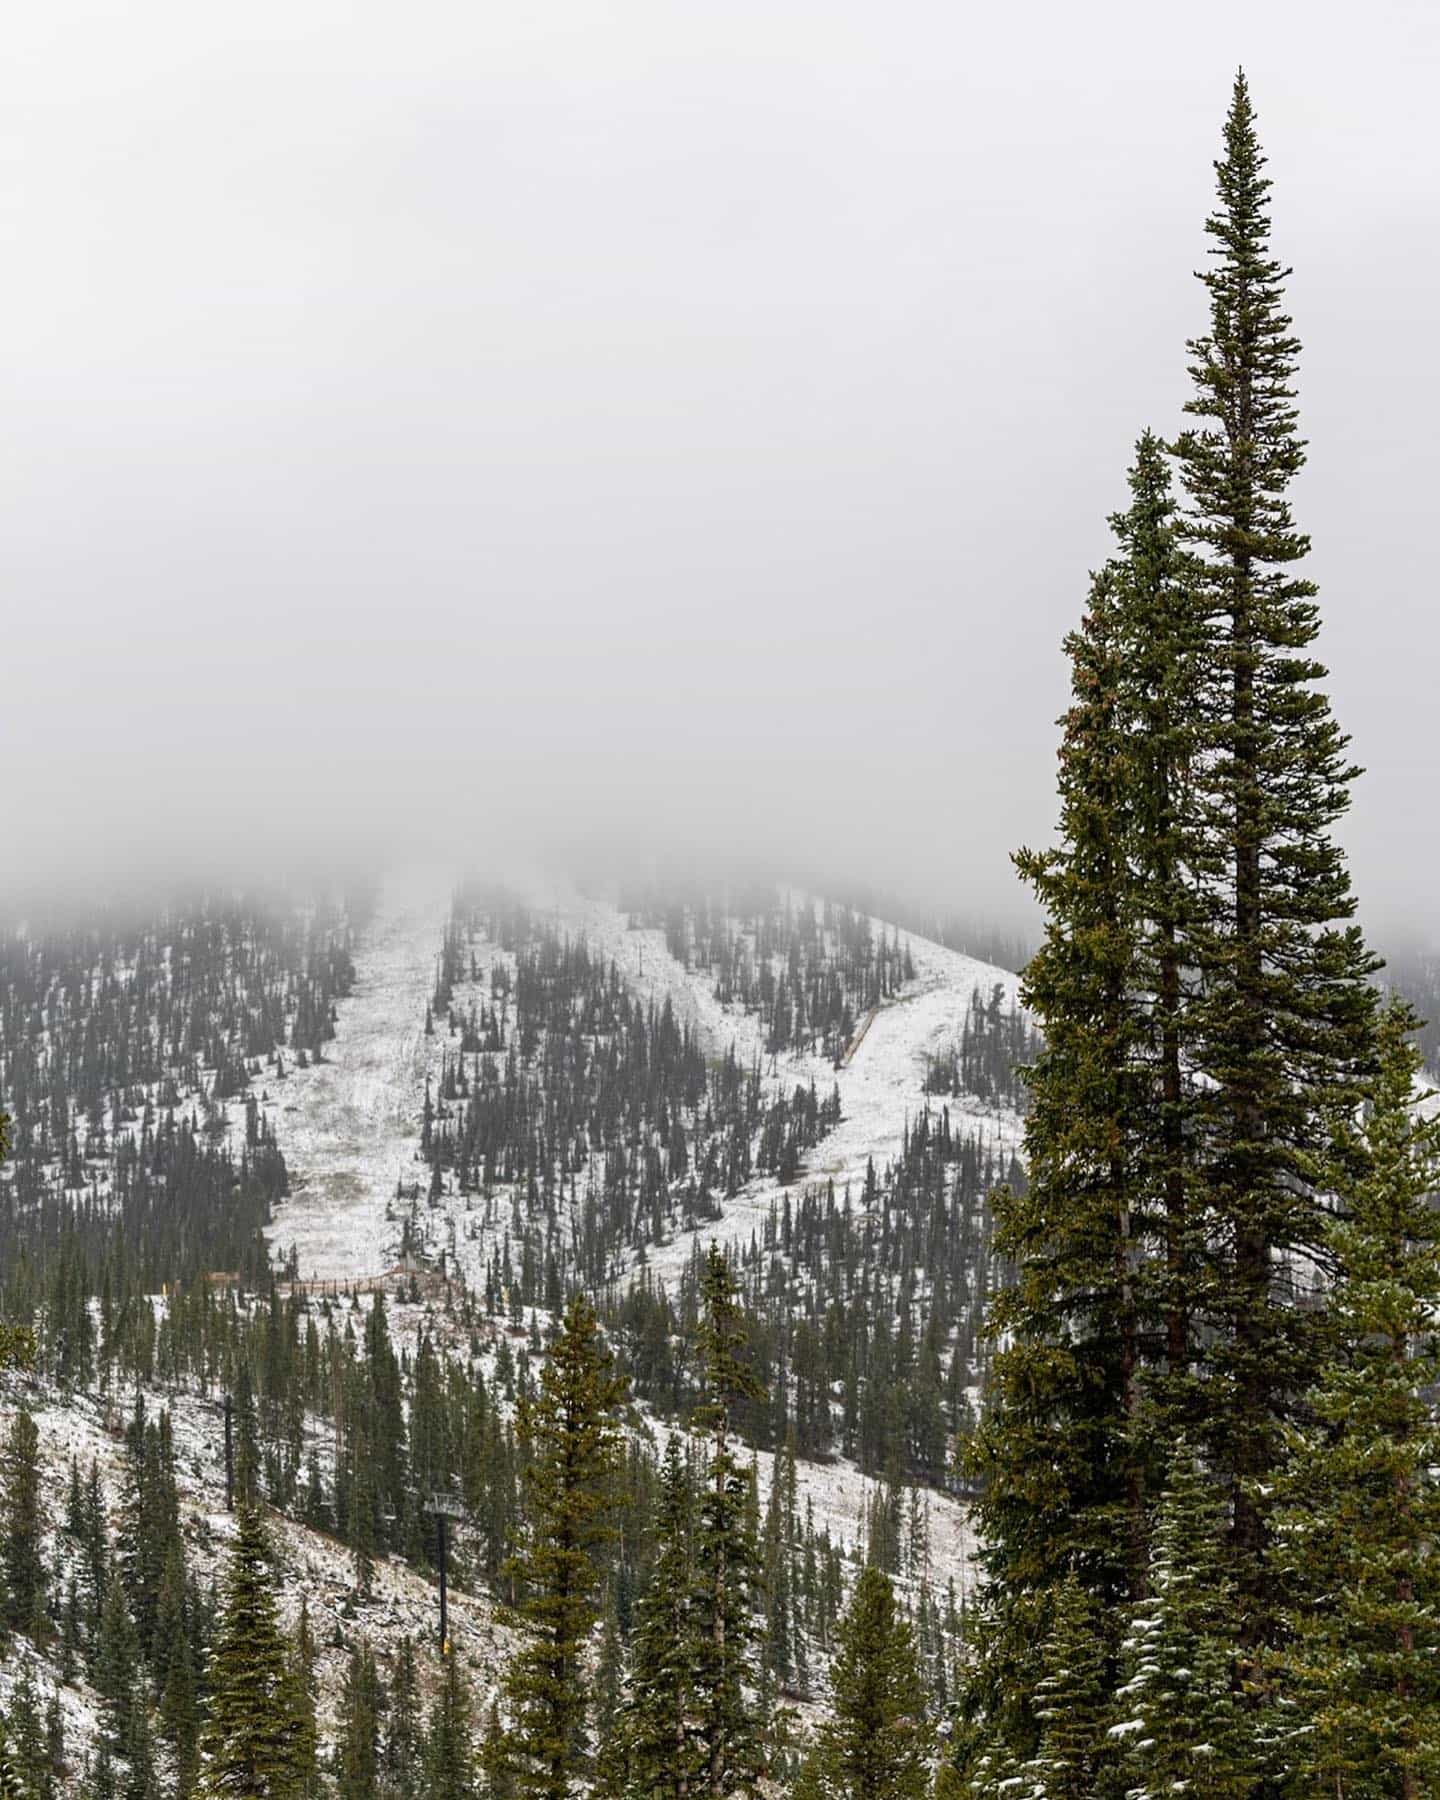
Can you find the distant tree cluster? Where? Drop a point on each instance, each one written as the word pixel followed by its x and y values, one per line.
pixel 996 1043
pixel 812 972
pixel 121 1051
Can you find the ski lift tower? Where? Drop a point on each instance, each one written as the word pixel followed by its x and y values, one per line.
pixel 443 1506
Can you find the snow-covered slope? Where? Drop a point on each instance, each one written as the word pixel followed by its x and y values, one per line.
pixel 882 1084
pixel 349 1126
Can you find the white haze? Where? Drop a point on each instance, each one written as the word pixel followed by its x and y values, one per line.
pixel 659 427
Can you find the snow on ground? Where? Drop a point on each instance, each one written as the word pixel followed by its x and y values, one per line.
pixel 403 1602
pixel 882 1087
pixel 349 1126
pixel 649 970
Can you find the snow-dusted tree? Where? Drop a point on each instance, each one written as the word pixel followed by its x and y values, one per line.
pixel 571 1435
pixel 1181 1729
pixel 248 1746
pixel 1283 1016
pixel 655 1755
pixel 1071 1701
pixel 725 1563
pixel 1359 1522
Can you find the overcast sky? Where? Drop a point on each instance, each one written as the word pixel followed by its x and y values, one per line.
pixel 672 421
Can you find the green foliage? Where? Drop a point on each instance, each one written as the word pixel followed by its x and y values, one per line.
pixel 1181 1727
pixel 21 1529
pixel 357 1755
pixel 655 1755
pixel 1359 1515
pixel 725 1558
pixel 1098 1236
pixel 1283 1013
pixel 12 1783
pixel 449 1760
pixel 249 1744
pixel 1209 1030
pixel 403 1732
pixel 876 1745
pixel 17 1343
pixel 572 1443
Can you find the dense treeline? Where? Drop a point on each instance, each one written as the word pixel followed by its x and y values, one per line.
pixel 589 1128
pixel 560 1099
pixel 862 1311
pixel 996 1043
pixel 337 1428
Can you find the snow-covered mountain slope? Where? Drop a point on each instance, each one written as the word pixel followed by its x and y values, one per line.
pixel 881 1082
pixel 349 1126
pixel 312 1567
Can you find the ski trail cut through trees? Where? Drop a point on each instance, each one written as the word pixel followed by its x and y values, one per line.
pixel 349 1127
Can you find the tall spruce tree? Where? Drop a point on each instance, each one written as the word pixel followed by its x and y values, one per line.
pixel 17 1342
pixel 21 1529
pixel 449 1760
pixel 1102 1236
pixel 570 1435
pixel 1208 1018
pixel 1359 1515
pixel 1284 1013
pixel 403 1730
pixel 657 1757
pixel 13 1785
pixel 357 1754
pixel 1072 1700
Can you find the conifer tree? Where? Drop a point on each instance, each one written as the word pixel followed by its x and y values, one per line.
pixel 1284 1014
pixel 725 1561
pixel 1208 1019
pixel 495 1763
pixel 658 1755
pixel 403 1731
pixel 1180 1727
pixel 449 1752
pixel 117 1657
pixel 21 1529
pixel 1061 1451
pixel 137 1746
pixel 1052 1450
pixel 247 1746
pixel 298 1701
pixel 876 1745
pixel 570 1435
pixel 1359 1518
pixel 1072 1700
pixel 12 1783
pixel 357 1756
pixel 17 1342
pixel 27 1736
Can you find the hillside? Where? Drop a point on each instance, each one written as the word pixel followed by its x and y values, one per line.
pixel 501 1097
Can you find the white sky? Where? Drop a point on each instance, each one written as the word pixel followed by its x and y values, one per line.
pixel 673 422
